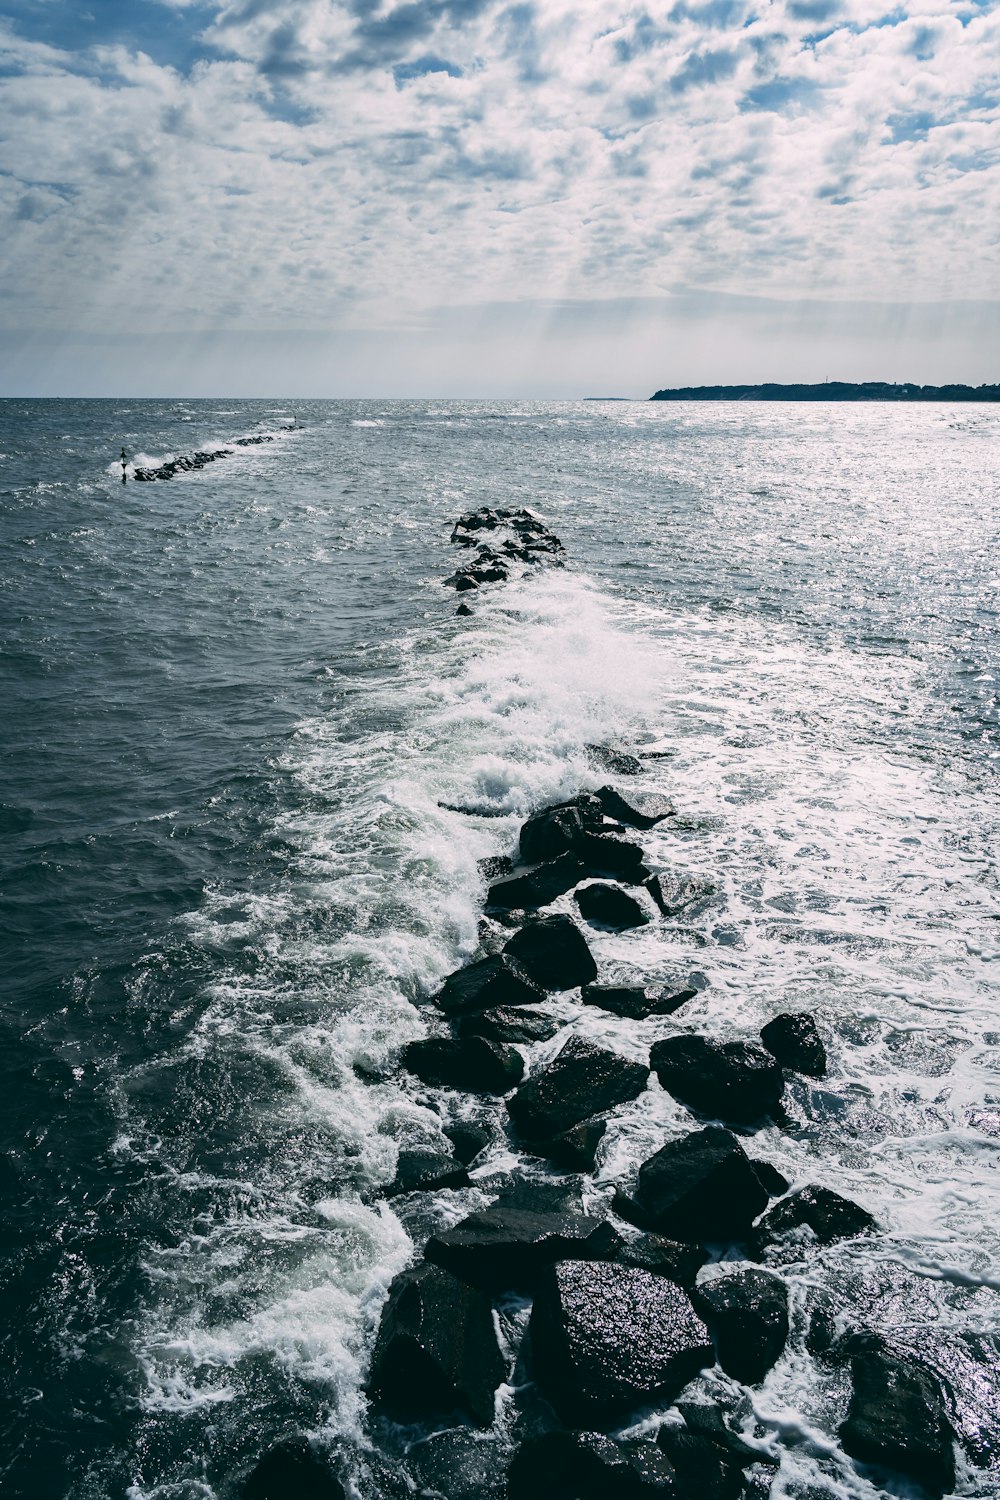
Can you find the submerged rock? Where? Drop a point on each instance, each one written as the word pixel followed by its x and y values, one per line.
pixel 826 1213
pixel 468 1062
pixel 576 1148
pixel 437 1349
pixel 635 1002
pixel 504 1248
pixel 497 980
pixel 589 1466
pixel 613 758
pixel 582 1080
pixel 293 1467
pixel 672 893
pixel 539 886
pixel 795 1042
pixel 702 1187
pixel 662 1257
pixel 426 1171
pixel 606 1339
pixel 463 609
pixel 897 1417
pixel 553 952
pixel 638 809
pixel 610 906
pixel 737 1081
pixel 748 1315
pixel 507 1024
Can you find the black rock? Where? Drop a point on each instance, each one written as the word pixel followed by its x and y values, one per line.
pixel 589 1466
pixel 582 1080
pixel 462 582
pixel 553 952
pixel 610 906
pixel 773 1181
pixel 436 1348
pixel 705 1471
pixel 463 609
pixel 426 1171
pixel 576 1148
pixel 748 1315
pixel 606 1339
pixel 662 1257
pixel 468 1062
pixel 553 830
pixel 795 1042
pixel 638 810
pixel 498 980
pixel 504 1248
pixel 494 865
pixel 635 1002
pixel 702 1188
pixel 488 575
pixel 507 1025
pixel 539 886
pixel 612 758
pixel 293 1467
pixel 468 1139
pixel 456 1463
pixel 672 893
pixel 826 1213
pixel 605 854
pixel 897 1417
pixel 707 1422
pixel 737 1081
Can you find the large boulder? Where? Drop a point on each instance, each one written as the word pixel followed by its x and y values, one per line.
pixel 638 809
pixel 897 1417
pixel 748 1315
pixel 610 906
pixel 589 1466
pixel 606 1339
pixel 582 1080
pixel 555 829
pixel 829 1216
pixel 737 1081
pixel 538 886
pixel 792 1038
pixel 576 1149
pixel 553 953
pixel 507 1024
pixel 635 1002
pixel 662 1257
pixel 293 1467
pixel 427 1172
pixel 701 1188
pixel 468 1062
pixel 498 980
pixel 505 1247
pixel 606 854
pixel 705 1470
pixel 437 1349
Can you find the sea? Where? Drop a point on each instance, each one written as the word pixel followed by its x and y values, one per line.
pixel 238 712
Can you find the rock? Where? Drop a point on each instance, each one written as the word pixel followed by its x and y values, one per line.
pixel 606 1339
pixel 589 1466
pixel 707 1422
pixel 770 1179
pixel 458 1463
pixel 606 855
pixel 293 1467
pixel 701 1188
pixel 504 1248
pixel 705 1471
pixel 610 906
pixel 498 980
pixel 537 887
pixel 468 1139
pixel 540 1196
pixel 436 1349
pixel 612 758
pixel 795 1042
pixel 469 1062
pixel 426 1171
pixel 635 1002
pixel 748 1315
pixel 495 865
pixel 576 1148
pixel 662 1257
pixel 826 1213
pixel 506 1024
pixel 638 810
pixel 463 609
pixel 897 1417
pixel 462 582
pixel 553 830
pixel 672 893
pixel 488 575
pixel 553 953
pixel 582 1080
pixel 736 1081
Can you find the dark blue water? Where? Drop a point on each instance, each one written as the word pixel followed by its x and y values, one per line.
pixel 232 704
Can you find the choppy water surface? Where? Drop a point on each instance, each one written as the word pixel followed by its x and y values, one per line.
pixel 233 704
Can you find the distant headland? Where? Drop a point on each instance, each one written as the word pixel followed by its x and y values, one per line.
pixel 831 390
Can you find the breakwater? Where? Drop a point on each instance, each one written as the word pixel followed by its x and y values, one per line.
pixel 187 463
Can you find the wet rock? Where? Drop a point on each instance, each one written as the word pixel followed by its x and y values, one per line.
pixel 589 1466
pixel 458 1464
pixel 610 906
pixel 795 1042
pixel 489 575
pixel 737 1081
pixel 774 1182
pixel 672 893
pixel 662 1257
pixel 541 1196
pixel 505 1248
pixel 705 1471
pixel 582 1080
pixel 613 758
pixel 897 1417
pixel 635 1002
pixel 553 953
pixel 826 1213
pixel 553 830
pixel 462 582
pixel 748 1315
pixel 426 1171
pixel 708 1422
pixel 606 1339
pixel 293 1467
pixel 497 980
pixel 537 887
pixel 436 1349
pixel 463 609
pixel 468 1139
pixel 576 1148
pixel 495 865
pixel 702 1188
pixel 605 854
pixel 638 809
pixel 506 1025
pixel 469 1062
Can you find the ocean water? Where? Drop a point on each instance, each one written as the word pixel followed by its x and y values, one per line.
pixel 233 705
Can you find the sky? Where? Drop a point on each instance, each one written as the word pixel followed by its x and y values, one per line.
pixel 478 197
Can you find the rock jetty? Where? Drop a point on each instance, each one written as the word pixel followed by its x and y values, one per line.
pixel 187 462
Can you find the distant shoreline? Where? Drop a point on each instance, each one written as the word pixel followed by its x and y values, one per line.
pixel 831 390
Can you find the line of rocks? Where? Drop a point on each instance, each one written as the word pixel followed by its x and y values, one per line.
pixel 619 1322
pixel 189 461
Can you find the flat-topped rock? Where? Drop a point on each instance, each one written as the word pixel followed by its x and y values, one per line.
pixel 497 980
pixel 589 1466
pixel 819 1209
pixel 659 1256
pixel 792 1038
pixel 468 1062
pixel 538 886
pixel 610 906
pixel 701 1188
pixel 606 854
pixel 504 1248
pixel 582 1080
pixel 509 1024
pixel 426 1171
pixel 553 952
pixel 737 1081
pixel 635 1002
pixel 607 1339
pixel 747 1313
pixel 637 809
pixel 897 1417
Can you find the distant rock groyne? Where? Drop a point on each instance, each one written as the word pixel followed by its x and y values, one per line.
pixel 831 390
pixel 188 461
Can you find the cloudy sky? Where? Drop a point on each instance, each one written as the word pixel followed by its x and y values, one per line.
pixel 339 197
